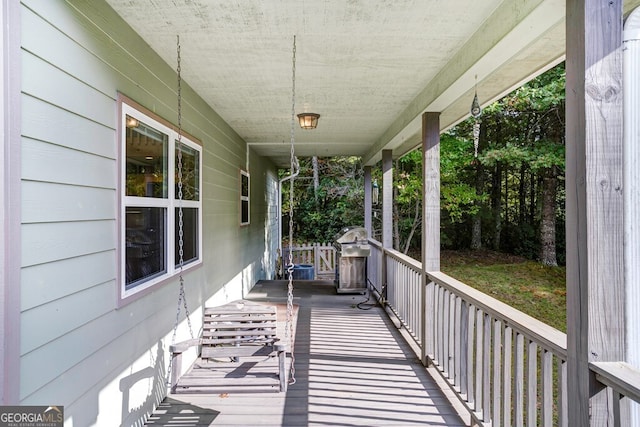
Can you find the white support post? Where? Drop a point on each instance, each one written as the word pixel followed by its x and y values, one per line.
pixel 367 201
pixel 594 207
pixel 430 223
pixel 632 191
pixel 387 199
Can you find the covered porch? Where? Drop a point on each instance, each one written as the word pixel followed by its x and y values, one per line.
pixel 357 360
pixel 386 78
pixel 504 367
pixel 352 367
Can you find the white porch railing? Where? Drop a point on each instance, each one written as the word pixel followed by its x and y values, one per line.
pixel 506 367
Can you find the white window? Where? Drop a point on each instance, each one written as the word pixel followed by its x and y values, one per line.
pixel 244 197
pixel 152 160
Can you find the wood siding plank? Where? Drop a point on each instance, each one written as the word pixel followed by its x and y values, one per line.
pixel 43 283
pixel 46 322
pixel 46 202
pixel 48 83
pixel 46 122
pixel 52 163
pixel 56 241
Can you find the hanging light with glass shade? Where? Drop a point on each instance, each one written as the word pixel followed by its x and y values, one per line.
pixel 308 120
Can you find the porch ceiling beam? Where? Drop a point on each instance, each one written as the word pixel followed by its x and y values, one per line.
pixel 509 30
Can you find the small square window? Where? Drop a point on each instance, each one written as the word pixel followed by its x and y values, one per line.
pixel 244 197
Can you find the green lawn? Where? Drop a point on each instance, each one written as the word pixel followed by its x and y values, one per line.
pixel 530 287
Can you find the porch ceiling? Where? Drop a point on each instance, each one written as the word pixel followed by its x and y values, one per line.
pixel 369 67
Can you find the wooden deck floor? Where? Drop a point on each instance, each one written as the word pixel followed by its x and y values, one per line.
pixel 352 368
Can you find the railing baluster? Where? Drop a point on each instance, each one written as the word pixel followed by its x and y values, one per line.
pixel 457 339
pixel 507 374
pixel 430 318
pixel 563 416
pixel 471 319
pixel 440 338
pixel 614 398
pixel 519 381
pixel 445 334
pixel 452 335
pixel 464 347
pixel 532 384
pixel 479 360
pixel 547 388
pixel 486 370
pixel 497 358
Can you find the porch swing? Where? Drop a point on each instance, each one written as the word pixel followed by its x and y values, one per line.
pixel 236 330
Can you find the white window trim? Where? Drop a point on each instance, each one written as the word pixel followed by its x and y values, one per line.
pixel 171 203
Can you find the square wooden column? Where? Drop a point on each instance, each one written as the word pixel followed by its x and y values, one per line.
pixel 594 207
pixel 430 223
pixel 367 201
pixel 387 199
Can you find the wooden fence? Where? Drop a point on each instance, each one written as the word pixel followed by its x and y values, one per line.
pixel 321 255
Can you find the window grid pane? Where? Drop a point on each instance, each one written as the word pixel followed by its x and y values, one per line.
pixel 191 243
pixel 146 167
pixel 145 244
pixel 190 173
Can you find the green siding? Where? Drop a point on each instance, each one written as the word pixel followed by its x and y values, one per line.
pixel 78 349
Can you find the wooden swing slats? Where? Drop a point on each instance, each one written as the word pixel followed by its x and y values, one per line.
pixel 232 351
pixel 224 324
pixel 237 340
pixel 247 330
pixel 229 332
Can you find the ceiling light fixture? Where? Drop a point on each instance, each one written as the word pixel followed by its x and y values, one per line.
pixel 308 120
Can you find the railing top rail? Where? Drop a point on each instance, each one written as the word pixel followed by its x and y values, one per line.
pixel 405 259
pixel 621 376
pixel 544 335
pixel 374 242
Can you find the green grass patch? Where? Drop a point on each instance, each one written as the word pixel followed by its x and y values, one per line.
pixel 528 286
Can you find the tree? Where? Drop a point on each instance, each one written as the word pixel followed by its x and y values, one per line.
pixel 510 197
pixel 520 163
pixel 337 201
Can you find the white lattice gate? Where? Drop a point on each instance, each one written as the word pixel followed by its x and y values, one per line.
pixel 321 255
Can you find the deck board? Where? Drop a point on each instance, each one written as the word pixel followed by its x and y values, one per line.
pixel 352 366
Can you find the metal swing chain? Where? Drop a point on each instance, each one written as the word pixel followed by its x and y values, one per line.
pixel 289 336
pixel 180 195
pixel 182 299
